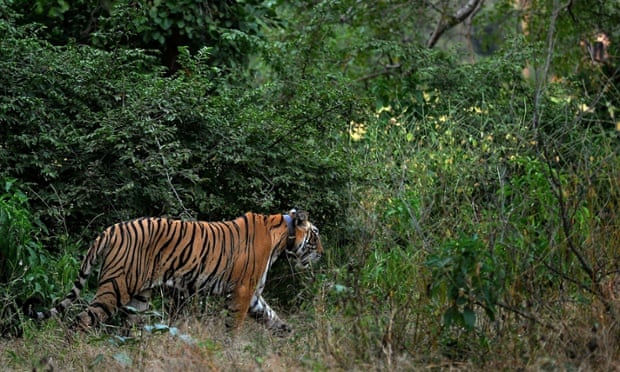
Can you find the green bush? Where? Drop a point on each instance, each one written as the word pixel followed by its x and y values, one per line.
pixel 19 247
pixel 26 267
pixel 27 270
pixel 99 137
pixel 466 274
pixel 479 215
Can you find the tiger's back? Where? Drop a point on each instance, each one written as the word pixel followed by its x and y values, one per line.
pixel 230 258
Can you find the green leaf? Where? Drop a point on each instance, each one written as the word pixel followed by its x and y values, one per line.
pixel 123 359
pixel 469 318
pixel 452 316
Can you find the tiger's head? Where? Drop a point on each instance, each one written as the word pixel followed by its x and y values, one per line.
pixel 304 242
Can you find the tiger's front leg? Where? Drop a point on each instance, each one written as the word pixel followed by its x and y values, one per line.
pixel 260 310
pixel 238 305
pixel 109 295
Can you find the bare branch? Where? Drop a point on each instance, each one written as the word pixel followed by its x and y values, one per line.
pixel 447 22
pixel 541 83
pixel 387 70
pixel 186 213
pixel 527 315
pixel 545 144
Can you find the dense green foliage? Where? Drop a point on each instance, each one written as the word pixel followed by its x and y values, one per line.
pixel 24 264
pixel 467 203
pixel 98 134
pixel 232 29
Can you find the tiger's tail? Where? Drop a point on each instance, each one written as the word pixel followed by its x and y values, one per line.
pixel 93 254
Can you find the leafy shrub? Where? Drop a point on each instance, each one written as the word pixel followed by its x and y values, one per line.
pixel 461 154
pixel 19 247
pixel 233 30
pixel 466 274
pixel 27 270
pixel 101 136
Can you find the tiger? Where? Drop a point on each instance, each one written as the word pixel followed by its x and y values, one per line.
pixel 229 258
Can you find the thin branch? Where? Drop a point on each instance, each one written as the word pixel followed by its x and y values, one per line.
pixel 564 276
pixel 567 225
pixel 447 22
pixel 387 70
pixel 556 182
pixel 186 212
pixel 541 83
pixel 526 315
pixel 302 123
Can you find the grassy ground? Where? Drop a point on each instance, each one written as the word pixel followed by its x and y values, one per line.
pixel 188 345
pixel 201 343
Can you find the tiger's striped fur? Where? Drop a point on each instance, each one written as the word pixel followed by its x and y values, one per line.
pixel 229 258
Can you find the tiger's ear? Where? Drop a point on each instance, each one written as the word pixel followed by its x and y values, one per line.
pixel 300 216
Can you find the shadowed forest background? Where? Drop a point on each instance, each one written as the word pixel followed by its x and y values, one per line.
pixel 459 156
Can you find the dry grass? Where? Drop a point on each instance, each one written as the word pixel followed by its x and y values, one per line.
pixel 202 344
pixel 570 336
pixel 198 346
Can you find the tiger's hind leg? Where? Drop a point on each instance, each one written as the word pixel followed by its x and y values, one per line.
pixel 264 314
pixel 139 303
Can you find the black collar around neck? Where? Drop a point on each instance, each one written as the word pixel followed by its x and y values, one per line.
pixel 290 222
